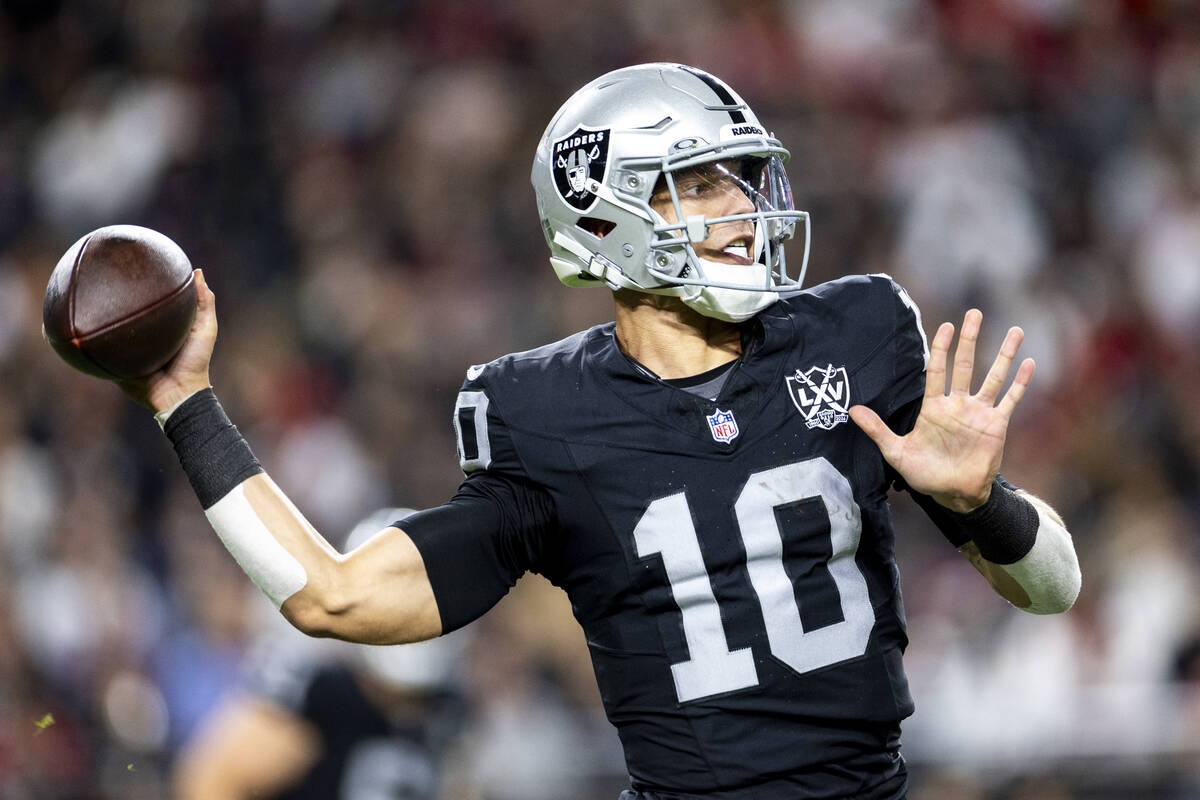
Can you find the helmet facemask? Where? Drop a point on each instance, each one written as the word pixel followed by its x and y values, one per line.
pixel 731 291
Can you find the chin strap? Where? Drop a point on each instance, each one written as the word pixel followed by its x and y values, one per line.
pixel 731 305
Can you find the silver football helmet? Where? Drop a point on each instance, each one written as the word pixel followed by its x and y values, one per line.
pixel 634 132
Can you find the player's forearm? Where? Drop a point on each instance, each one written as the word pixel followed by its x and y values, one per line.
pixel 1049 573
pixel 268 537
pixel 1029 558
pixel 320 591
pixel 277 547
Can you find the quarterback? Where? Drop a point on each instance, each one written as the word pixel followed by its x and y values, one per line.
pixel 707 476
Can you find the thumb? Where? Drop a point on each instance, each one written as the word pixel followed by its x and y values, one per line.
pixel 205 323
pixel 204 295
pixel 876 429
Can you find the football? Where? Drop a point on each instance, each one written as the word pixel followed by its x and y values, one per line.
pixel 120 302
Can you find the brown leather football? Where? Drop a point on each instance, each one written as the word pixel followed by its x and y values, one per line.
pixel 120 302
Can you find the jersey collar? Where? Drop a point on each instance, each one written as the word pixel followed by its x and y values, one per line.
pixel 748 390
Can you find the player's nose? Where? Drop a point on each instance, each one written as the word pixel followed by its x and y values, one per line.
pixel 733 203
pixel 736 202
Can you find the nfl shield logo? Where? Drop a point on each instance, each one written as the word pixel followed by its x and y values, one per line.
pixel 723 426
pixel 822 396
pixel 578 162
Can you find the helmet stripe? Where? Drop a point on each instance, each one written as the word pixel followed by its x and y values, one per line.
pixel 723 94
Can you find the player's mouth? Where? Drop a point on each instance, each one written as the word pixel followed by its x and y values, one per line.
pixel 736 251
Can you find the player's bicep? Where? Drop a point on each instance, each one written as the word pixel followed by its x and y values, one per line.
pixel 385 591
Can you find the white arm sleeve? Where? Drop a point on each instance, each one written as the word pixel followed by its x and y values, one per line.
pixel 1049 573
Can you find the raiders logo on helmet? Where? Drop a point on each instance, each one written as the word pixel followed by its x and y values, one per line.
pixel 576 161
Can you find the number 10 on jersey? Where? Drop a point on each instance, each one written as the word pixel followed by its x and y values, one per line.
pixel 666 529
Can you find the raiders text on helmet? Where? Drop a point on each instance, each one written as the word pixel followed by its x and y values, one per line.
pixel 634 130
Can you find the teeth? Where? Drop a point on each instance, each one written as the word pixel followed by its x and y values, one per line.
pixel 739 250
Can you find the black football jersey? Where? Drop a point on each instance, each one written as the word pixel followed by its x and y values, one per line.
pixel 730 561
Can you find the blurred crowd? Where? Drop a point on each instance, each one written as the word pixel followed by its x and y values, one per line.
pixel 353 176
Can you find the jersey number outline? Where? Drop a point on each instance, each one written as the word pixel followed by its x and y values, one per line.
pixel 471 431
pixel 667 529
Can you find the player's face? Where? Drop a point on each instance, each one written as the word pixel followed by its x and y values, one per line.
pixel 713 190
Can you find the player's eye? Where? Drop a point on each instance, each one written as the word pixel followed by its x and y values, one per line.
pixel 701 180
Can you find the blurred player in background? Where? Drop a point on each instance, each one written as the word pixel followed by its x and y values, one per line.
pixel 330 721
pixel 706 476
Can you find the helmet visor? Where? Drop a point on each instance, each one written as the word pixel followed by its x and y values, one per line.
pixel 765 183
pixel 762 180
pixel 766 205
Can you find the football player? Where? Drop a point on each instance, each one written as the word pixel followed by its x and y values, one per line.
pixel 706 476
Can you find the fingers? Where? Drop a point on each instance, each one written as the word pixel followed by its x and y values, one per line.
pixel 964 354
pixel 935 371
pixel 1015 392
pixel 876 429
pixel 964 363
pixel 994 382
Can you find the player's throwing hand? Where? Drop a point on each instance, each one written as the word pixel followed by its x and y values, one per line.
pixel 953 452
pixel 187 372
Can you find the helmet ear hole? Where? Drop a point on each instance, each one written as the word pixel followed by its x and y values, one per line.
pixel 596 227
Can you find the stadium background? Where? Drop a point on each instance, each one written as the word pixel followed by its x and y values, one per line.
pixel 353 177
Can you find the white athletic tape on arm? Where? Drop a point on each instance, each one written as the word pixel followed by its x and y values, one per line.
pixel 275 571
pixel 1049 572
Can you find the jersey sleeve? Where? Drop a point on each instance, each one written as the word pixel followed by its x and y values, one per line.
pixel 492 531
pixel 884 331
pixel 910 354
pixel 482 438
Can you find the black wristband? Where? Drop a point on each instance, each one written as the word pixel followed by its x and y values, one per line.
pixel 1004 528
pixel 213 453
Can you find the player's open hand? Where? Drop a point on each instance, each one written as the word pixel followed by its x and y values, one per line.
pixel 187 372
pixel 953 451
